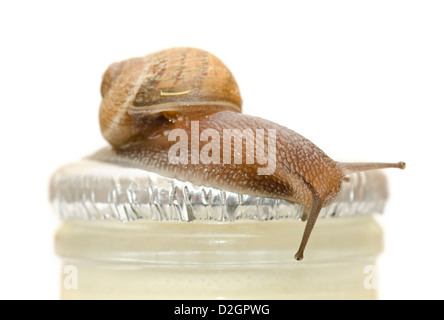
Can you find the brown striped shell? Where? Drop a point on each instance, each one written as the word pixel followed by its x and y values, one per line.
pixel 174 80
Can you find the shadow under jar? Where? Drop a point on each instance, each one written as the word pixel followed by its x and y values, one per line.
pixel 131 234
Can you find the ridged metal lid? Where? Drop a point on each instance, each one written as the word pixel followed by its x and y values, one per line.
pixel 90 190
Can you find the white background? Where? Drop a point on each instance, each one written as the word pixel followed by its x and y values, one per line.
pixel 364 80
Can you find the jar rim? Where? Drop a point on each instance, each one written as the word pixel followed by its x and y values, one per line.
pixel 93 190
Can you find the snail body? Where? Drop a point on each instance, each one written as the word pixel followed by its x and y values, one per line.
pixel 147 101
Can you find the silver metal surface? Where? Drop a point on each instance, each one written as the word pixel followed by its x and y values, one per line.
pixel 90 190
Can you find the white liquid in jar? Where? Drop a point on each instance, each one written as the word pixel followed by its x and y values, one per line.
pixel 218 260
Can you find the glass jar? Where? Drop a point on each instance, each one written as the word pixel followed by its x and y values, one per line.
pixel 131 234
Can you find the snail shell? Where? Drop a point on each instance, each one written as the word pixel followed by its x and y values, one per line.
pixel 184 80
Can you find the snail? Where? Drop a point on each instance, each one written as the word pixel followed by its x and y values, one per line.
pixel 147 101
